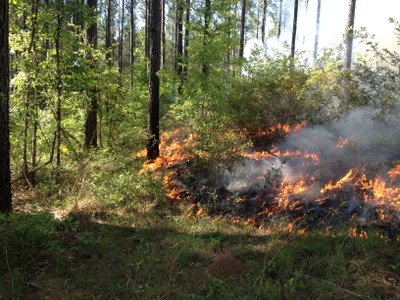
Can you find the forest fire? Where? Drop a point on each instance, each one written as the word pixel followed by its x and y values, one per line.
pixel 307 181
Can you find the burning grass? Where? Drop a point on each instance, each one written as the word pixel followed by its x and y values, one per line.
pixel 293 188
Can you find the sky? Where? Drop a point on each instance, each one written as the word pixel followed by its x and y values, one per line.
pixel 371 14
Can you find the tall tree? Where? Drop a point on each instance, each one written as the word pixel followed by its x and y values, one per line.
pixel 108 34
pixel 294 30
pixel 242 28
pixel 187 34
pixel 154 38
pixel 349 35
pixel 121 38
pixel 316 39
pixel 264 21
pixel 91 112
pixel 59 86
pixel 132 38
pixel 179 43
pixel 207 24
pixel 279 29
pixel 5 174
pixel 163 34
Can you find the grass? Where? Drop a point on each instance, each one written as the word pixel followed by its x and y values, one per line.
pixel 108 234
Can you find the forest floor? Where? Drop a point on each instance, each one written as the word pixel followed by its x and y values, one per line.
pixel 77 244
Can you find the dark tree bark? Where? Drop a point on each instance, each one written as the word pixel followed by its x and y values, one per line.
pixel 316 40
pixel 121 39
pixel 264 21
pixel 154 32
pixel 294 30
pixel 279 29
pixel 207 24
pixel 5 174
pixel 348 46
pixel 242 28
pixel 91 111
pixel 187 34
pixel 108 35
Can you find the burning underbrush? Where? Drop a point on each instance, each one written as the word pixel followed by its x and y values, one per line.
pixel 341 175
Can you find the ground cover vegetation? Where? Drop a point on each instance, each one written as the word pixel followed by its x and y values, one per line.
pixel 272 177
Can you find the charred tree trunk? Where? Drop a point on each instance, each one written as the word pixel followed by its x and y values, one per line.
pixel 5 173
pixel 242 27
pixel 108 35
pixel 316 40
pixel 294 30
pixel 91 112
pixel 207 23
pixel 279 29
pixel 154 32
pixel 121 39
pixel 348 46
pixel 264 21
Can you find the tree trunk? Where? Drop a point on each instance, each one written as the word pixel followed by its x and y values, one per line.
pixel 121 39
pixel 264 21
pixel 146 29
pixel 207 23
pixel 5 174
pixel 164 45
pixel 91 112
pixel 348 46
pixel 132 39
pixel 179 43
pixel 187 33
pixel 278 30
pixel 242 27
pixel 294 30
pixel 60 13
pixel 154 32
pixel 108 35
pixel 316 40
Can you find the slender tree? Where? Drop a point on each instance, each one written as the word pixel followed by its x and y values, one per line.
pixel 264 21
pixel 121 38
pixel 132 38
pixel 316 39
pixel 154 32
pixel 179 43
pixel 294 30
pixel 207 24
pixel 349 35
pixel 59 86
pixel 5 174
pixel 108 34
pixel 279 29
pixel 163 34
pixel 91 112
pixel 187 34
pixel 242 28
